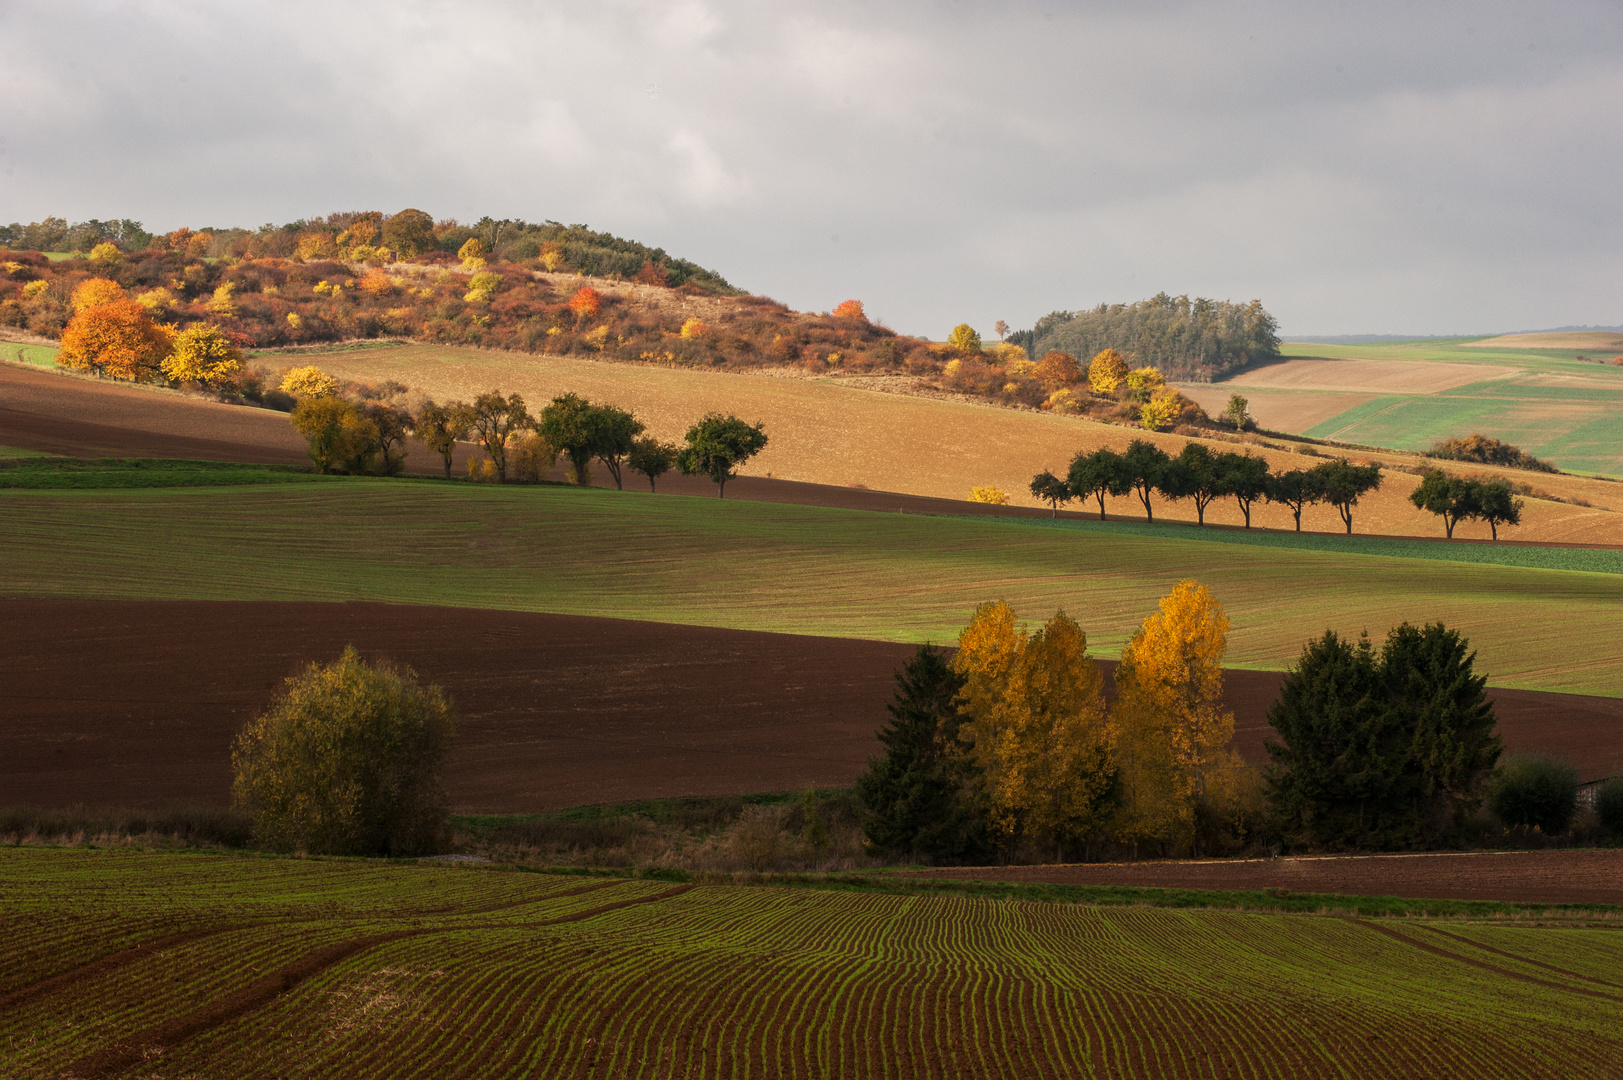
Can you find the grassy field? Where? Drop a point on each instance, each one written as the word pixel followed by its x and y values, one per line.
pixel 36 355
pixel 1553 405
pixel 199 965
pixel 28 470
pixel 762 566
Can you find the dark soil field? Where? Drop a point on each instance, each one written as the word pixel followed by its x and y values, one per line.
pixel 1543 877
pixel 135 703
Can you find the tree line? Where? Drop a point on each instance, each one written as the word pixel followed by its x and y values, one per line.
pixel 1008 746
pixel 369 436
pixel 1188 339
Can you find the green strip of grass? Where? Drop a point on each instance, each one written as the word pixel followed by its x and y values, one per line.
pixel 764 566
pixel 33 355
pixel 32 472
pixel 1585 560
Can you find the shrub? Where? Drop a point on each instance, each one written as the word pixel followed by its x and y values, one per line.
pixel 986 493
pixel 309 382
pixel 1532 791
pixel 347 762
pixel 1486 451
pixel 693 328
pixel 850 309
pixel 1609 805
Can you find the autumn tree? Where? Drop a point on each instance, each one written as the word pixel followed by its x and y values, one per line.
pixel 496 419
pixel 117 339
pixel 1245 478
pixel 393 425
pixel 347 761
pixel 964 337
pixel 309 382
pixel 1194 474
pixel 410 233
pixel 1051 490
pixel 653 273
pixel 1142 383
pixel 472 254
pixel 923 798
pixel 1451 498
pixel 1101 473
pixel 1106 371
pixel 94 292
pixel 1058 369
pixel 1235 413
pixel 441 427
pixel 202 354
pixel 1295 489
pixel 1143 466
pixel 1001 328
pixel 652 458
pixel 1036 715
pixel 106 253
pixel 341 438
pixel 717 445
pixel 850 309
pixel 1343 484
pixel 1174 731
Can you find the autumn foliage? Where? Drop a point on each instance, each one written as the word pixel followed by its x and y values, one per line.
pixel 850 309
pixel 117 339
pixel 586 303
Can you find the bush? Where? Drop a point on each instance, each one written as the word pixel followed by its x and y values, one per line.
pixel 1535 792
pixel 1609 806
pixel 347 761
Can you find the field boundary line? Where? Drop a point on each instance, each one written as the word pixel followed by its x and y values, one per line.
pixel 1483 964
pixel 1523 960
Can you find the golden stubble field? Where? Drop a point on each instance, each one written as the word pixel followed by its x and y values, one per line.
pixel 823 432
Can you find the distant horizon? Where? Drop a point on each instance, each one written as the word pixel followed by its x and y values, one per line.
pixel 1358 339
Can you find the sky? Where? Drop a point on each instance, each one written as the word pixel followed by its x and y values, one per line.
pixel 1412 168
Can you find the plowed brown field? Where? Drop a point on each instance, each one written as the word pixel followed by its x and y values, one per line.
pixel 1541 877
pixel 135 703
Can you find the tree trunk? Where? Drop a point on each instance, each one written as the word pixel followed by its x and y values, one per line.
pixel 1101 505
pixel 1494 525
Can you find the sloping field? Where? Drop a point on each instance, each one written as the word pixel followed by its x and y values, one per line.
pixel 1583 340
pixel 1366 376
pixel 826 433
pixel 760 566
pixel 202 966
pixel 555 711
pixel 1290 411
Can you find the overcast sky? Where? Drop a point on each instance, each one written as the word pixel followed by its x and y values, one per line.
pixel 1361 168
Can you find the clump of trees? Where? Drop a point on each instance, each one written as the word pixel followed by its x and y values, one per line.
pixel 1203 477
pixel 1485 451
pixel 1464 498
pixel 347 761
pixel 1196 339
pixel 1010 746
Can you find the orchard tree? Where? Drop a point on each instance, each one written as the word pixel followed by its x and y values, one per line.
pixel 118 339
pixel 1497 505
pixel 1452 498
pixel 1193 474
pixel 573 426
pixel 441 427
pixel 1143 465
pixel 1344 483
pixel 923 798
pixel 496 419
pixel 1245 478
pixel 1103 472
pixel 340 437
pixel 652 458
pixel 1295 489
pixel 1050 489
pixel 393 426
pixel 202 354
pixel 717 445
pixel 617 437
pixel 1106 371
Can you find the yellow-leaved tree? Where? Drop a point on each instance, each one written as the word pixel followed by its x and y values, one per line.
pixel 94 292
pixel 1035 712
pixel 202 354
pixel 309 382
pixel 1182 787
pixel 1106 371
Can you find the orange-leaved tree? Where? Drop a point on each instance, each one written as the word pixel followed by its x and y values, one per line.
pixel 586 302
pixel 1058 369
pixel 850 309
pixel 118 339
pixel 1181 784
pixel 1035 711
pixel 96 291
pixel 1106 371
pixel 652 273
pixel 202 354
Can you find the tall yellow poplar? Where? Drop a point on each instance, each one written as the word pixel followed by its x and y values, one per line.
pixel 1174 730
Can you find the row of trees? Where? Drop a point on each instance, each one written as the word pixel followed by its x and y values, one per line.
pixel 358 437
pixel 1202 476
pixel 1009 743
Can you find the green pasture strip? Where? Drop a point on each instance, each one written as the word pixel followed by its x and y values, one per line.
pixel 33 355
pixel 1504 553
pixel 44 473
pixel 776 567
pixel 7 452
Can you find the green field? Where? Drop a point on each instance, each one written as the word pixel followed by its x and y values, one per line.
pixel 36 355
pixel 119 963
pixel 1567 411
pixel 764 566
pixel 47 473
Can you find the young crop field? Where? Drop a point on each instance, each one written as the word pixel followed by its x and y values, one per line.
pixel 765 566
pixel 1409 395
pixel 133 964
pixel 33 471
